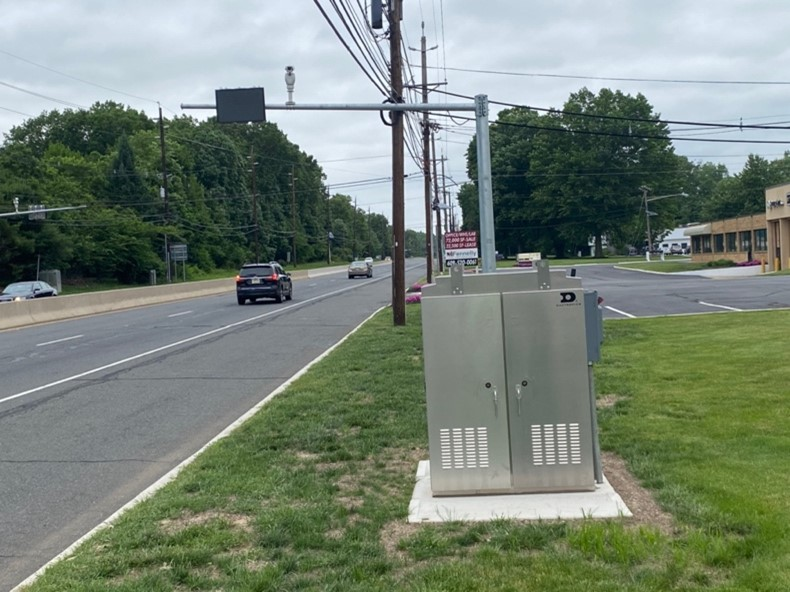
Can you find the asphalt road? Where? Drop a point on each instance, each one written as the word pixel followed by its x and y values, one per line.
pixel 95 410
pixel 631 293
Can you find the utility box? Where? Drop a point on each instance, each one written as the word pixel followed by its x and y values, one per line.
pixel 509 389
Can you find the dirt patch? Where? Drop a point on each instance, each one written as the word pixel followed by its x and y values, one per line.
pixel 176 525
pixel 606 401
pixel 393 533
pixel 639 500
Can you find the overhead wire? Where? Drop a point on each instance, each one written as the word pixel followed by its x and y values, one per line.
pixel 376 83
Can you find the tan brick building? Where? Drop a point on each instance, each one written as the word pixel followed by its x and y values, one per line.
pixel 737 239
pixel 777 215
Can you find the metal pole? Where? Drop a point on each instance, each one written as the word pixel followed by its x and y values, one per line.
pixel 485 194
pixel 398 216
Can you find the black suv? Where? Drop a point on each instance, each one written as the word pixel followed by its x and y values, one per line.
pixel 263 280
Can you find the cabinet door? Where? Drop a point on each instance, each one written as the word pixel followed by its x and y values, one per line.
pixel 548 390
pixel 465 394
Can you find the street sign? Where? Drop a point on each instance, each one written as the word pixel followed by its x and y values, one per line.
pixel 460 248
pixel 34 212
pixel 240 105
pixel 178 252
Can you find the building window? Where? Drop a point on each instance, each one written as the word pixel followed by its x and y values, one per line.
pixel 760 239
pixel 696 244
pixel 746 240
pixel 718 243
pixel 706 244
pixel 732 244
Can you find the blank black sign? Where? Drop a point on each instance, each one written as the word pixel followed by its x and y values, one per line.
pixel 240 105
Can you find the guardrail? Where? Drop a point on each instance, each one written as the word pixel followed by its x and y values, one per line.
pixel 30 312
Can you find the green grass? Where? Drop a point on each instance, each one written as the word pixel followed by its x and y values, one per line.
pixel 666 266
pixel 313 492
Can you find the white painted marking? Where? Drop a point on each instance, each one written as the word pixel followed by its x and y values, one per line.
pixel 720 306
pixel 58 340
pixel 178 314
pixel 172 345
pixel 625 314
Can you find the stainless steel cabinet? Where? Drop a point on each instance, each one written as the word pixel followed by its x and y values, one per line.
pixel 507 386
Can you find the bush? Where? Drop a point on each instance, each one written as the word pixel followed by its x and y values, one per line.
pixel 721 263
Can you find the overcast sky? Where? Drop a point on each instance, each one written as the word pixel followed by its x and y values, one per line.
pixel 694 60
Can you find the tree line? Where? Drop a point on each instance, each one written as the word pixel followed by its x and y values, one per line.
pixel 565 179
pixel 234 193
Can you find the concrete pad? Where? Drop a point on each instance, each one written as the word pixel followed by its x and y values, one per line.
pixel 604 502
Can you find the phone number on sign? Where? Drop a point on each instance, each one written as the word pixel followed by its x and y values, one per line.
pixel 461 262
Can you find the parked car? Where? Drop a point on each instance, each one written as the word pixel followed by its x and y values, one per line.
pixel 360 268
pixel 27 291
pixel 263 280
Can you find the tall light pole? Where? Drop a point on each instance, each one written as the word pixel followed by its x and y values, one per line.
pixel 647 200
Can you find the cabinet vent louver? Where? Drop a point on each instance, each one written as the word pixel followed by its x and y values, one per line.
pixel 556 444
pixel 464 448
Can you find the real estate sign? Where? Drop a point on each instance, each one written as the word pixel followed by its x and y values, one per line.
pixel 460 248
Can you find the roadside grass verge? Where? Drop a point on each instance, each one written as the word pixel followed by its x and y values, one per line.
pixel 313 492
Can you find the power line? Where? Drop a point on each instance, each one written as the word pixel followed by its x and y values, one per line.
pixel 120 92
pixel 623 79
pixel 376 83
pixel 738 126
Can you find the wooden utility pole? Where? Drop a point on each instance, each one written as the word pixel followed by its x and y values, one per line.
pixel 293 213
pixel 255 207
pixel 437 204
pixel 444 197
pixel 426 161
pixel 164 189
pixel 328 229
pixel 398 215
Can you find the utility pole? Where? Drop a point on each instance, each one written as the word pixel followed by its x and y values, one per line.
pixel 293 213
pixel 354 231
pixel 164 195
pixel 647 219
pixel 444 196
pixel 398 215
pixel 439 262
pixel 328 229
pixel 426 159
pixel 255 207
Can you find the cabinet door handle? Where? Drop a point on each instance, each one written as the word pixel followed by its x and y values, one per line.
pixel 496 403
pixel 518 398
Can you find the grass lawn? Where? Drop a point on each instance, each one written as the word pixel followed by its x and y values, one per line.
pixel 313 492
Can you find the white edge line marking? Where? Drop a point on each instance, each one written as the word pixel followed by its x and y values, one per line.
pixel 720 306
pixel 59 340
pixel 171 345
pixel 173 473
pixel 178 314
pixel 625 314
